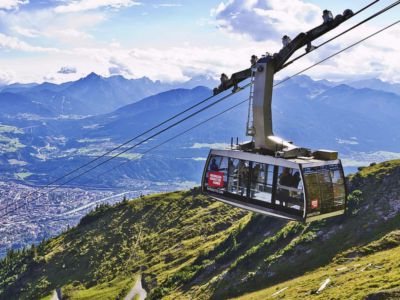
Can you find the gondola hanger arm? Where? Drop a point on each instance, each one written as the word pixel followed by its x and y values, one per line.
pixel 290 47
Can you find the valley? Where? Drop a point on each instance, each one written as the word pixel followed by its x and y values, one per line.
pixel 36 213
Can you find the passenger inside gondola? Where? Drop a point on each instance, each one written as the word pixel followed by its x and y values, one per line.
pixel 289 191
pixel 214 166
pixel 296 180
pixel 243 177
pixel 255 179
pixel 285 178
pixel 232 175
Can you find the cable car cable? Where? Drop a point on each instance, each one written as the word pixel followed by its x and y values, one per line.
pixel 337 53
pixel 139 143
pixel 127 142
pixel 212 104
pixel 163 143
pixel 346 31
pixel 203 101
pixel 175 136
pixel 123 144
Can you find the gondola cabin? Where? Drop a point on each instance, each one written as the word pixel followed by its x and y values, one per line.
pixel 302 189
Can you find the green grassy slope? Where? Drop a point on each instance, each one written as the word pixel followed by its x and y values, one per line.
pixel 99 259
pixel 187 246
pixel 369 272
pixel 374 211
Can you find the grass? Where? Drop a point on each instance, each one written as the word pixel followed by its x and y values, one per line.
pixel 350 279
pixel 117 288
pixel 291 251
pixel 389 241
pixel 378 170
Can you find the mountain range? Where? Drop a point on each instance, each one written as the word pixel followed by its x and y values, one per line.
pixel 93 94
pixel 375 84
pixel 45 127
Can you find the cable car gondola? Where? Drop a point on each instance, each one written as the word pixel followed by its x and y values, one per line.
pixel 269 175
pixel 302 189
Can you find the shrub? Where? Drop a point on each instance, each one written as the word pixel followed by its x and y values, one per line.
pixel 354 201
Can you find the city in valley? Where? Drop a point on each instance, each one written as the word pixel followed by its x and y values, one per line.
pixel 31 214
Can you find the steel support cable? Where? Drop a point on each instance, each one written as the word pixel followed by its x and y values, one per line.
pixel 337 53
pixel 122 145
pixel 134 146
pixel 358 12
pixel 174 137
pixel 214 103
pixel 347 30
pixel 127 142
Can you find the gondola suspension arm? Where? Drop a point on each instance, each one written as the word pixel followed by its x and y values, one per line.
pixel 291 46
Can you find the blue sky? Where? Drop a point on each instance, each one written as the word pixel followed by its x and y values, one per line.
pixel 173 40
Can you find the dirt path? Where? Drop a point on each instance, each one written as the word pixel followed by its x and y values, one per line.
pixel 56 295
pixel 137 290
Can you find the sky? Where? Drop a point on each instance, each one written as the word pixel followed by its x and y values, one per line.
pixel 175 40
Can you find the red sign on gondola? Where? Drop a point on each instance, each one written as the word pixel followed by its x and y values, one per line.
pixel 216 179
pixel 314 203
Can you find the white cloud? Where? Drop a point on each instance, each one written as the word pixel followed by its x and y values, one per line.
pixel 27 32
pixel 45 24
pixel 374 58
pixel 266 19
pixel 118 68
pixel 9 42
pixel 169 64
pixel 199 158
pixel 167 5
pixel 361 159
pixel 84 5
pixel 67 70
pixel 12 4
pixel 6 77
pixel 377 57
